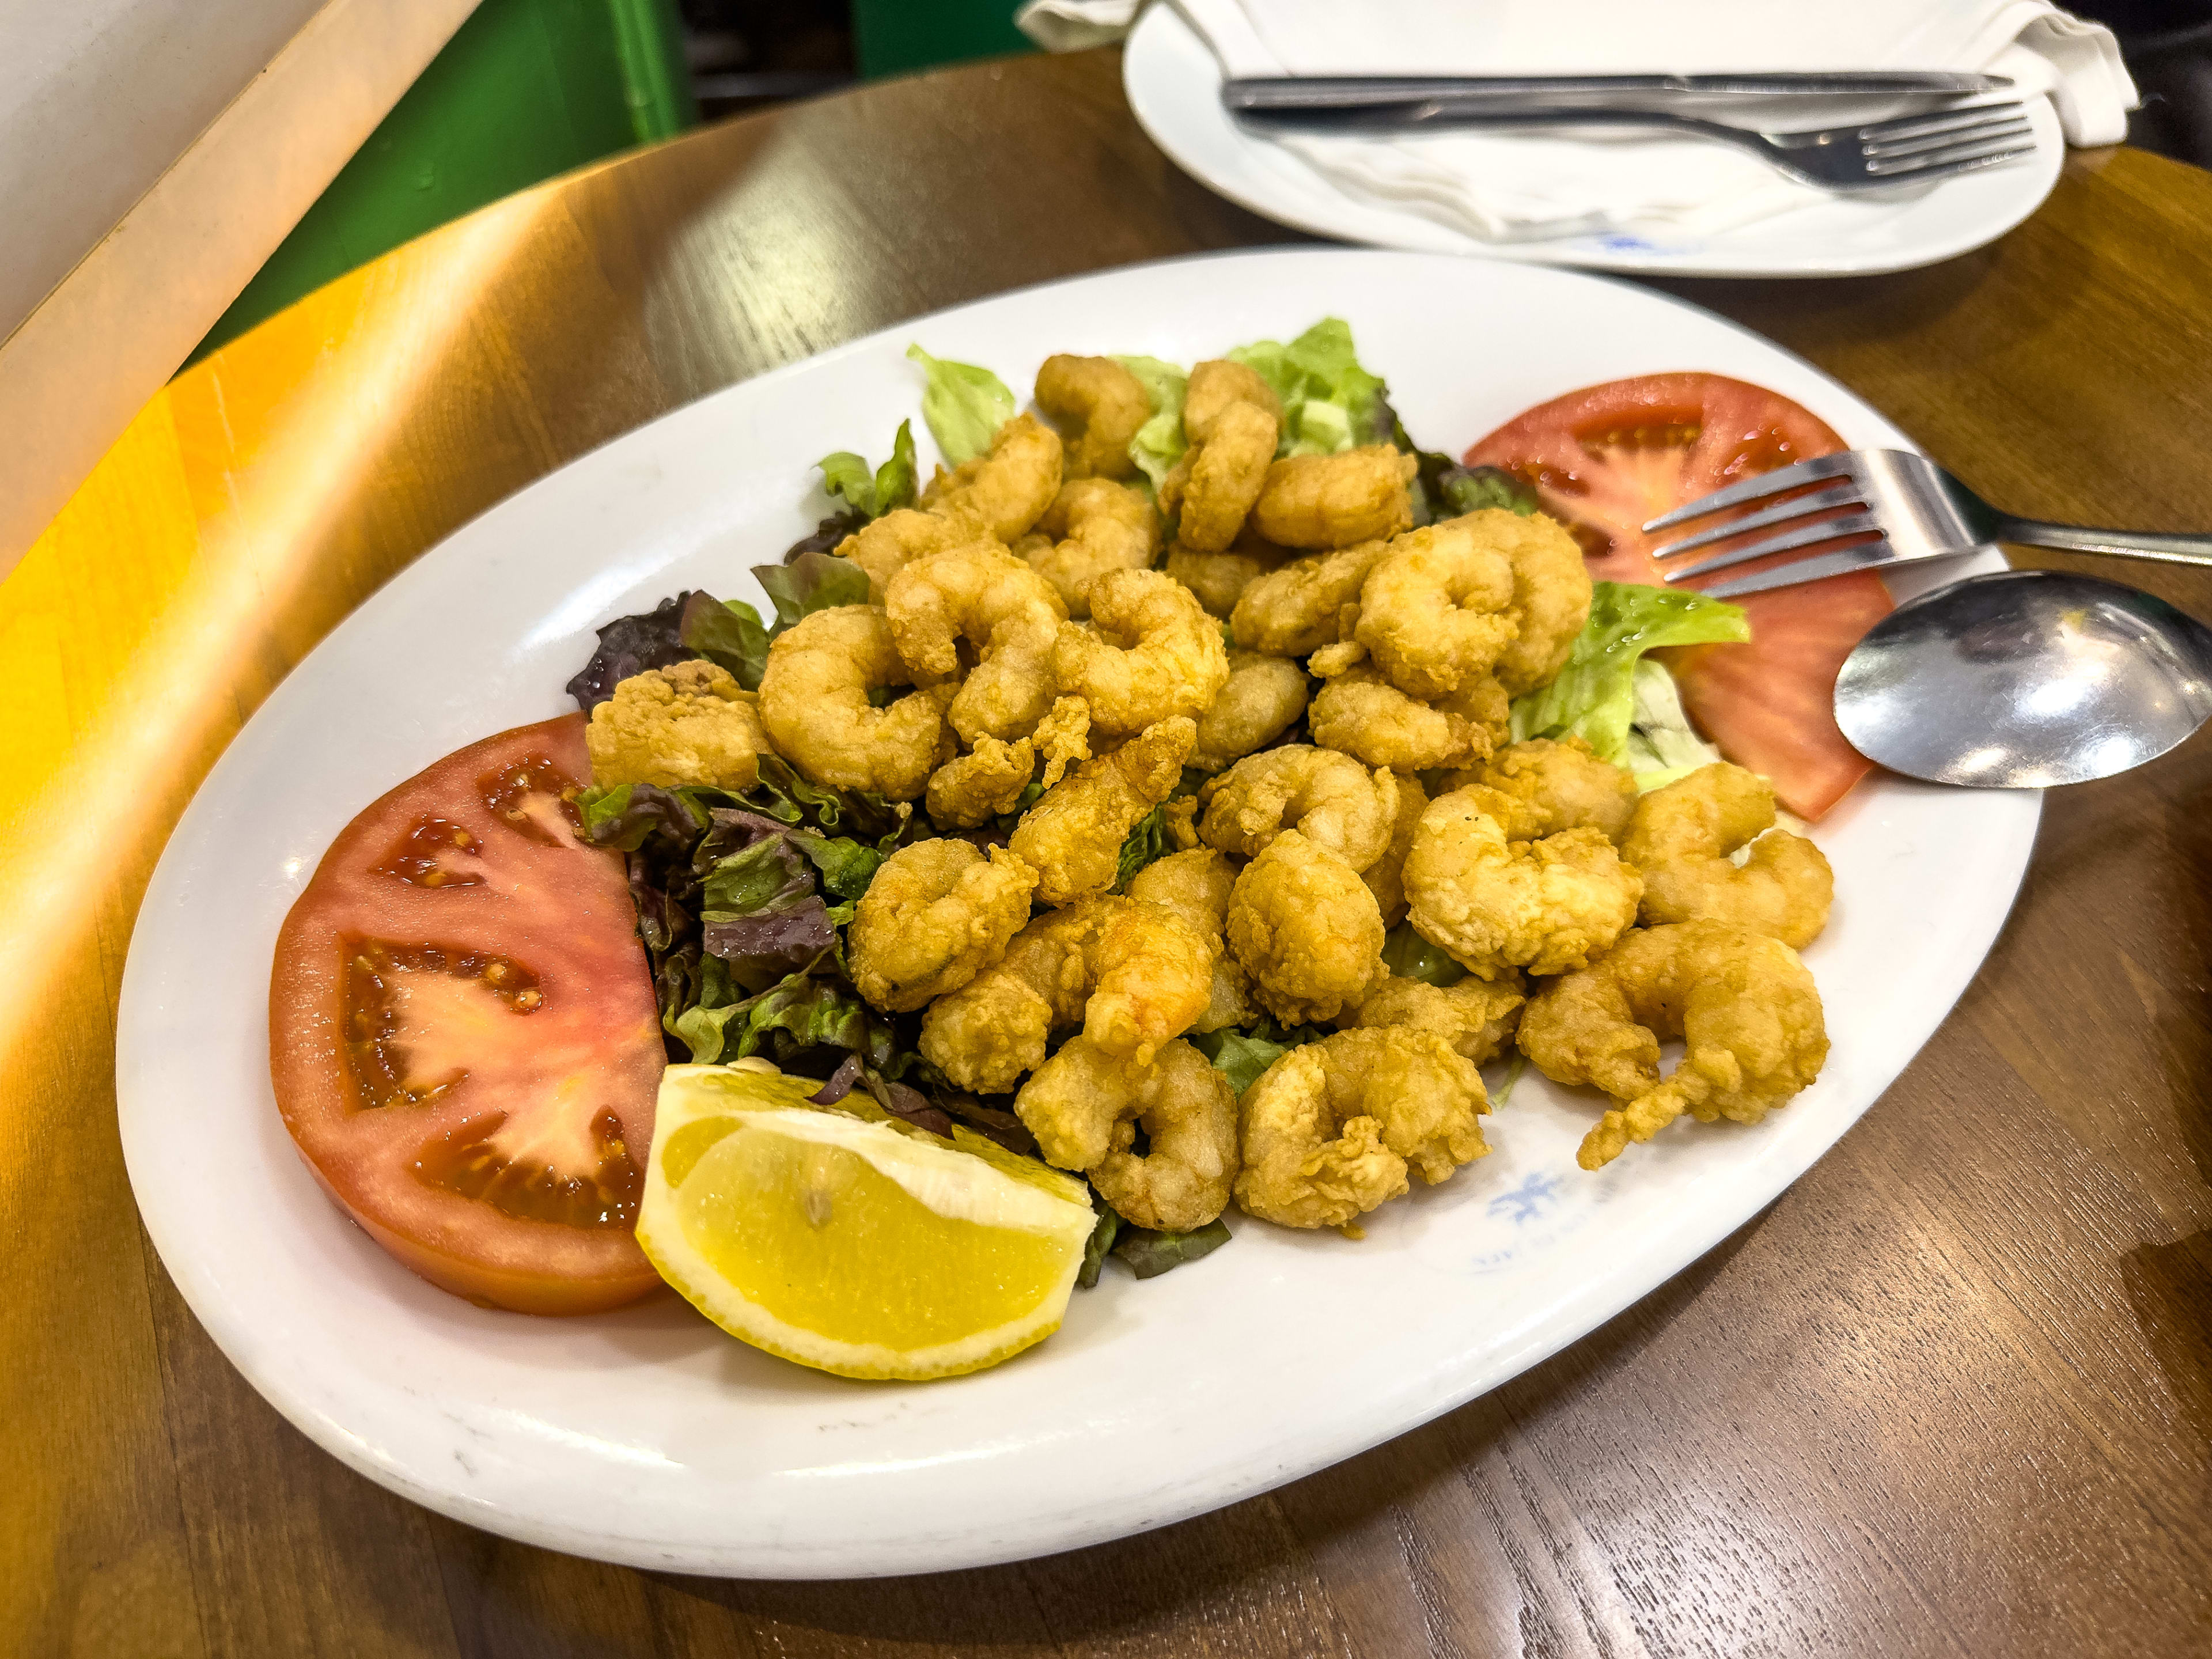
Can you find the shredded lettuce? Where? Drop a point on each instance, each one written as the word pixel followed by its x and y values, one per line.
pixel 964 405
pixel 1595 695
pixel 873 492
pixel 1329 402
pixel 1159 442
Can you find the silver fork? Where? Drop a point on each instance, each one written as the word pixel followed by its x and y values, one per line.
pixel 1857 157
pixel 1908 508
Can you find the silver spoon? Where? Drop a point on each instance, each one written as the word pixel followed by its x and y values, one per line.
pixel 2023 679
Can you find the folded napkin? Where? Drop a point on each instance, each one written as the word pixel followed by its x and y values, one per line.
pixel 1519 187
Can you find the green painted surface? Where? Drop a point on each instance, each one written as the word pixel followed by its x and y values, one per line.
pixel 524 90
pixel 897 37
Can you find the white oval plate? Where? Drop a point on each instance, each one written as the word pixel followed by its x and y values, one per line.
pixel 649 1437
pixel 1173 82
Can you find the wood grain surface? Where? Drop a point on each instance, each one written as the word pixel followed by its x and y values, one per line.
pixel 1951 1395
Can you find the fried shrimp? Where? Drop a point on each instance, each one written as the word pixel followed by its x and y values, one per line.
pixel 1085 1105
pixel 887 545
pixel 1548 906
pixel 1215 385
pixel 1005 489
pixel 1261 699
pixel 1543 786
pixel 981 594
pixel 1219 579
pixel 1385 877
pixel 969 788
pixel 1226 470
pixel 1550 594
pixel 814 703
pixel 1336 501
pixel 1296 610
pixel 1195 884
pixel 1096 526
pixel 1360 714
pixel 1103 405
pixel 1474 1016
pixel 1073 835
pixel 1331 1129
pixel 1306 928
pixel 1328 798
pixel 1681 838
pixel 1151 653
pixel 1133 976
pixel 1744 1005
pixel 935 915
pixel 1437 609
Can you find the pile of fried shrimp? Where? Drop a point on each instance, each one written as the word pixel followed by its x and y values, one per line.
pixel 1042 620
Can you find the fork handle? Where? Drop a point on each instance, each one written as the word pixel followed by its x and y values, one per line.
pixel 2164 546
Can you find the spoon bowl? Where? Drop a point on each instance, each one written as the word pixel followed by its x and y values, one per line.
pixel 2025 679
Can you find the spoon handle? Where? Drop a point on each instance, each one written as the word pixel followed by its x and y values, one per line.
pixel 2166 547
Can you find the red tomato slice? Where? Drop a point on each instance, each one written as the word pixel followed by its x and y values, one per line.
pixel 463 1035
pixel 1606 459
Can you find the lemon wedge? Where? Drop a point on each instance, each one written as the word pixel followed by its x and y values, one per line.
pixel 847 1239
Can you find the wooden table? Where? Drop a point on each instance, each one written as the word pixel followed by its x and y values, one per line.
pixel 1950 1395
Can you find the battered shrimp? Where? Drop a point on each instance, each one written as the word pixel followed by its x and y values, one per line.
pixel 1007 489
pixel 935 915
pixel 1133 976
pixel 1543 786
pixel 1385 877
pixel 1548 906
pixel 1104 403
pixel 1152 653
pixel 1261 699
pixel 1328 798
pixel 1219 579
pixel 1226 471
pixel 1474 1016
pixel 1215 385
pixel 1295 611
pixel 1682 837
pixel 1096 525
pixel 1195 883
pixel 1332 1127
pixel 1306 928
pixel 814 703
pixel 969 788
pixel 1550 594
pixel 1437 609
pixel 887 545
pixel 979 593
pixel 1073 835
pixel 1362 714
pixel 1085 1105
pixel 1743 1002
pixel 1336 501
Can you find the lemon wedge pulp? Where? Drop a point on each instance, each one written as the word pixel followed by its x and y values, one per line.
pixel 849 1240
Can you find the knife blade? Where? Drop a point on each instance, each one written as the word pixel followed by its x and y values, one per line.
pixel 1288 91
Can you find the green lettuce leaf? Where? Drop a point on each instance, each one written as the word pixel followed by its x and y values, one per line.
pixel 964 405
pixel 1241 1055
pixel 1594 696
pixel 1159 443
pixel 1151 1254
pixel 874 493
pixel 1409 955
pixel 849 476
pixel 811 582
pixel 1143 845
pixel 727 632
pixel 1663 745
pixel 846 865
pixel 1329 402
pixel 1102 1238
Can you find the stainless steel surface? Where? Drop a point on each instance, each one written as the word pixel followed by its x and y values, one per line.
pixel 1264 92
pixel 1903 505
pixel 2025 679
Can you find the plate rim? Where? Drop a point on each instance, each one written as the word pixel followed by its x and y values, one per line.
pixel 751 1558
pixel 1157 26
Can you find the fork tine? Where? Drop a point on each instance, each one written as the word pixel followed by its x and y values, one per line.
pixel 1914 126
pixel 1958 138
pixel 1828 530
pixel 1806 570
pixel 1945 162
pixel 1757 489
pixel 1841 495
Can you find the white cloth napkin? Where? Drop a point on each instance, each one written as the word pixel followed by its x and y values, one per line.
pixel 1518 187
